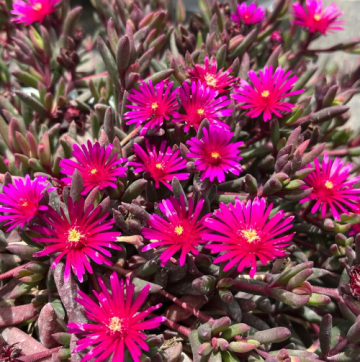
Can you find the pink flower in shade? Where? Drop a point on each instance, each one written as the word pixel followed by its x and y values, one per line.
pixel 200 102
pixel 21 201
pixel 82 236
pixel 332 187
pixel 208 75
pixel 30 11
pixel 214 154
pixel 276 36
pixel 161 165
pixel 116 322
pixel 266 94
pixel 313 17
pixel 251 14
pixel 97 166
pixel 151 105
pixel 244 232
pixel 181 231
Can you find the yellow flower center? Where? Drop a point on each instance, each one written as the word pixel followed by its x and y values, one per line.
pixel 115 324
pixel 317 17
pixel 265 94
pixel 37 6
pixel 154 105
pixel 74 236
pixel 215 154
pixel 93 171
pixel 159 166
pixel 179 230
pixel 250 235
pixel 200 111
pixel 210 80
pixel 329 185
pixel 24 203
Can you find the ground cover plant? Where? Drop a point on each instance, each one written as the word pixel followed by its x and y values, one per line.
pixel 177 187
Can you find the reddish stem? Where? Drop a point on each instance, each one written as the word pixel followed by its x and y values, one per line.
pixel 36 356
pixel 12 272
pixel 177 327
pixel 202 316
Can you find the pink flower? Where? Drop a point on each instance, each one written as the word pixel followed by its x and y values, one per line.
pixel 332 187
pixel 22 201
pixel 162 166
pixel 82 236
pixel 200 102
pixel 214 154
pixel 116 322
pixel 251 14
pixel 208 75
pixel 312 17
pixel 244 232
pixel 276 36
pixel 97 165
pixel 267 92
pixel 151 105
pixel 30 11
pixel 181 231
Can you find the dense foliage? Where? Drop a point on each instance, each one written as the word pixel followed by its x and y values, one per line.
pixel 177 188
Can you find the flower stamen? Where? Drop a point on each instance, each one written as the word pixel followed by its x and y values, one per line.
pixel 265 93
pixel 37 6
pixel 74 236
pixel 210 80
pixel 115 324
pixel 215 154
pixel 317 17
pixel 250 235
pixel 179 230
pixel 154 105
pixel 200 111
pixel 329 185
pixel 93 171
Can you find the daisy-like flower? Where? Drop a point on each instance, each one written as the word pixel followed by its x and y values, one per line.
pixel 31 11
pixel 161 165
pixel 313 17
pixel 81 236
pixel 151 105
pixel 21 201
pixel 214 153
pixel 220 80
pixel 244 232
pixel 251 14
pixel 200 102
pixel 96 165
pixel 265 97
pixel 332 187
pixel 181 231
pixel 354 284
pixel 116 322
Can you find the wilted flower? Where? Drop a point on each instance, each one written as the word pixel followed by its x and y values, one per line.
pixel 200 102
pixel 354 284
pixel 208 75
pixel 82 236
pixel 97 165
pixel 9 353
pixel 116 322
pixel 267 92
pixel 312 16
pixel 181 231
pixel 21 201
pixel 151 105
pixel 214 153
pixel 251 14
pixel 30 11
pixel 244 232
pixel 162 166
pixel 332 187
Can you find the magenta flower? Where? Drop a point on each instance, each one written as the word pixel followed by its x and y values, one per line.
pixel 162 166
pixel 251 14
pixel 181 231
pixel 151 105
pixel 267 92
pixel 244 232
pixel 314 18
pixel 97 166
pixel 214 154
pixel 332 187
pixel 30 11
pixel 21 201
pixel 200 102
pixel 116 322
pixel 208 75
pixel 82 236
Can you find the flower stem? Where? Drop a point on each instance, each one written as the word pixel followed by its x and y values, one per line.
pixel 177 327
pixel 202 316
